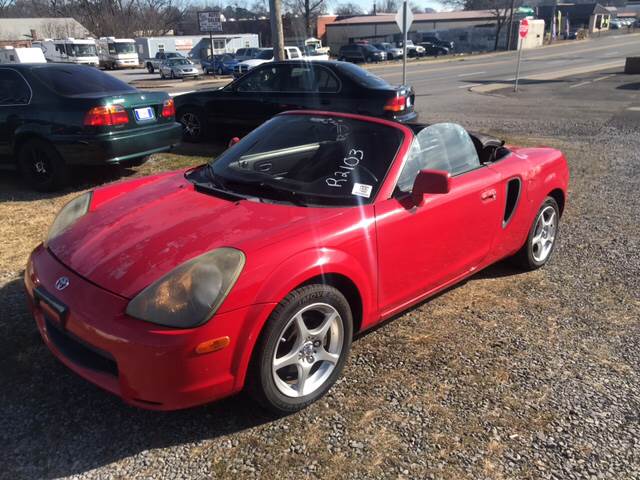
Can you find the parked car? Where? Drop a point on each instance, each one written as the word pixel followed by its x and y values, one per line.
pixel 257 269
pixel 413 50
pixel 278 86
pixel 437 41
pixel 179 68
pixel 243 54
pixel 265 56
pixel 54 116
pixel 220 64
pixel 153 64
pixel 311 53
pixel 356 53
pixel 391 51
pixel 434 50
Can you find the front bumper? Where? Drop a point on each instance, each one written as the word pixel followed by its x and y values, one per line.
pixel 147 365
pixel 119 146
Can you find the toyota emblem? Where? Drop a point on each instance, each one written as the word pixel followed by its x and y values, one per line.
pixel 62 283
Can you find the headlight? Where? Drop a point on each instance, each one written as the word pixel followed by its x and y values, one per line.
pixel 191 293
pixel 68 215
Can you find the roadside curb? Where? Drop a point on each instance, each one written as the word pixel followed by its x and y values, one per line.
pixel 492 87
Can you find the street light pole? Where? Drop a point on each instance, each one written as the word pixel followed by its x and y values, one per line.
pixel 404 43
pixel 277 37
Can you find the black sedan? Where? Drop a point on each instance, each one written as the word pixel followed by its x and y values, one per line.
pixel 54 116
pixel 275 87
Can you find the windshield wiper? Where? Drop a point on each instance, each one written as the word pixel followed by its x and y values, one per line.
pixel 275 192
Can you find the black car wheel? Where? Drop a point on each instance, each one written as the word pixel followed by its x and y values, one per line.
pixel 302 349
pixel 220 71
pixel 150 68
pixel 41 166
pixel 193 124
pixel 542 237
pixel 172 75
pixel 162 76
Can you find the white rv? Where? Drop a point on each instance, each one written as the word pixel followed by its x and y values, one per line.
pixel 117 53
pixel 21 55
pixel 70 50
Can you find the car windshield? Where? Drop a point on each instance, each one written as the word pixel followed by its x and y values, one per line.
pixel 180 61
pixel 70 80
pixel 125 48
pixel 361 76
pixel 81 50
pixel 265 54
pixel 308 159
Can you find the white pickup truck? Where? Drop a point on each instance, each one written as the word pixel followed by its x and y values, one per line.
pixel 266 55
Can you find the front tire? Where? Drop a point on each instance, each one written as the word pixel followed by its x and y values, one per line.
pixel 42 167
pixel 150 68
pixel 302 349
pixel 542 237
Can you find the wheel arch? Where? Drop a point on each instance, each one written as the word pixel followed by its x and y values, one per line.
pixel 348 280
pixel 559 196
pixel 23 137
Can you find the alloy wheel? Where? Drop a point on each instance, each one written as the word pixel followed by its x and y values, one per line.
pixel 544 234
pixel 308 351
pixel 191 124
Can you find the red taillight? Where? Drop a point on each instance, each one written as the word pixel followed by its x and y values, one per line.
pixel 396 104
pixel 104 116
pixel 168 108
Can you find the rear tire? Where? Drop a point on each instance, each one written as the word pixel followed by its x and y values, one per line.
pixel 193 124
pixel 41 166
pixel 302 349
pixel 150 68
pixel 542 237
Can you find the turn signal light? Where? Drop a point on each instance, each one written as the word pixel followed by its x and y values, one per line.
pixel 168 109
pixel 397 104
pixel 213 345
pixel 105 116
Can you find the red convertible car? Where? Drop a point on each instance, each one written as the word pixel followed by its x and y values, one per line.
pixel 257 269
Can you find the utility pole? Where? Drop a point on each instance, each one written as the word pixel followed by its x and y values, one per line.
pixel 277 37
pixel 510 32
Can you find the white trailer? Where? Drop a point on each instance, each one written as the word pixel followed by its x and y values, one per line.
pixel 117 53
pixel 70 50
pixel 21 55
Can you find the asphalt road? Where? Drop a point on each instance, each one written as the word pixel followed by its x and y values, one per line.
pixel 452 76
pixel 458 76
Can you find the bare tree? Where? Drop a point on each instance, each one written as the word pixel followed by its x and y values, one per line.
pixel 308 10
pixel 5 6
pixel 387 6
pixel 346 9
pixel 501 10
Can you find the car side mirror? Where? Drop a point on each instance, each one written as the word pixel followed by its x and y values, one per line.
pixel 233 141
pixel 430 182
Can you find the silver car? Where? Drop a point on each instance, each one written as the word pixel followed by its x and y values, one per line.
pixel 179 68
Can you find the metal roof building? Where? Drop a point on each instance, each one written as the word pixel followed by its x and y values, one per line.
pixel 26 29
pixel 383 26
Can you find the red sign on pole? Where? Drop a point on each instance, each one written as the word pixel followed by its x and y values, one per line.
pixel 524 28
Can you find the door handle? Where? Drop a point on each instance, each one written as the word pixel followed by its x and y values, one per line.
pixel 489 195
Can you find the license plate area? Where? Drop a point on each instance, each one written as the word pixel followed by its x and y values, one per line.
pixel 144 114
pixel 50 306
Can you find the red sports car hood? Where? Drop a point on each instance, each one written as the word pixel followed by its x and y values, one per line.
pixel 137 231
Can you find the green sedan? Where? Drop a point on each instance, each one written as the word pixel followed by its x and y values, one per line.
pixel 55 116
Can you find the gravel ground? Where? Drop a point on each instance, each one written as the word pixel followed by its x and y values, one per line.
pixel 508 375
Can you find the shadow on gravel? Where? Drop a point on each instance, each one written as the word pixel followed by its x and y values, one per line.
pixel 56 424
pixel 13 188
pixel 629 86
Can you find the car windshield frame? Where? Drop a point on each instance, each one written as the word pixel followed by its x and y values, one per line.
pixel 124 47
pixel 329 161
pixel 43 73
pixel 362 77
pixel 81 50
pixel 265 54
